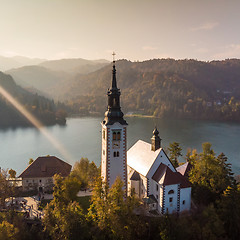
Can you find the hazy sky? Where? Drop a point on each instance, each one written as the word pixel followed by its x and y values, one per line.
pixel 134 29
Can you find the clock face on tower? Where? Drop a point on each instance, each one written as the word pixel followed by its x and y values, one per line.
pixel 116 144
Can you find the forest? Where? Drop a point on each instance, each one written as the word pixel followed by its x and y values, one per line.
pixel 107 214
pixel 45 110
pixel 187 89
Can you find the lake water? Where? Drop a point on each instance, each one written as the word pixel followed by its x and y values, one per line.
pixel 81 137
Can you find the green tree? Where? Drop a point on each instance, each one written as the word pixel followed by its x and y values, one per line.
pixel 98 211
pixel 113 212
pixel 6 189
pixel 210 175
pixel 12 173
pixel 64 218
pixel 8 231
pixel 65 190
pixel 175 152
pixel 30 161
pixel 85 172
pixel 229 211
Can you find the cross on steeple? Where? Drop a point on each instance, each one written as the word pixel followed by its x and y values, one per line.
pixel 113 54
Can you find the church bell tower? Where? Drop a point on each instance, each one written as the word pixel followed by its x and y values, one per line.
pixel 114 137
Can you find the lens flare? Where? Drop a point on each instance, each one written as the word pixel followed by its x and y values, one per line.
pixel 37 124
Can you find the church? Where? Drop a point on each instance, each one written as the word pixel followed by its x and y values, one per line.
pixel 145 168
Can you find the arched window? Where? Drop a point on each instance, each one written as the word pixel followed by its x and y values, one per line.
pixel 114 154
pixel 114 136
pixel 171 192
pixel 117 154
pixel 118 136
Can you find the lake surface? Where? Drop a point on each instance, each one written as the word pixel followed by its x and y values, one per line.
pixel 81 137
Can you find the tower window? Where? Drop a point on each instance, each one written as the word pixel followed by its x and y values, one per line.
pixel 171 192
pixel 118 135
pixel 103 152
pixel 183 202
pixel 116 154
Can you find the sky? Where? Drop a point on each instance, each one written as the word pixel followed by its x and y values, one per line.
pixel 136 30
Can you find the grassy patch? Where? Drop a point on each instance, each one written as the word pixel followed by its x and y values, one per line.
pixel 84 202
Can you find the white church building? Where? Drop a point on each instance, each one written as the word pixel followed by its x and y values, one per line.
pixel 145 168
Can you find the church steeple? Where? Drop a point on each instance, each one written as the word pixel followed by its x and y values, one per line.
pixel 156 140
pixel 114 113
pixel 114 80
pixel 114 137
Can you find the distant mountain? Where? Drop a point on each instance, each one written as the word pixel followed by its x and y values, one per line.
pixel 39 78
pixel 51 76
pixel 77 65
pixel 164 88
pixel 42 108
pixel 7 63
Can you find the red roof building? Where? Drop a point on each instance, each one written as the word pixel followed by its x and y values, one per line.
pixel 39 174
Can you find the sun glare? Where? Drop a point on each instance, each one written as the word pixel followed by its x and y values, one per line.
pixel 37 124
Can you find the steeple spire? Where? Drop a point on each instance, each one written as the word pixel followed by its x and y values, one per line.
pixel 114 80
pixel 156 140
pixel 114 113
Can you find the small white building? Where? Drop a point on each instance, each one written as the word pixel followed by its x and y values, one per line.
pixel 155 180
pixel 39 174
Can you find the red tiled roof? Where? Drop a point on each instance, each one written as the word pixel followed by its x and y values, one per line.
pixel 159 172
pixel 170 177
pixel 46 167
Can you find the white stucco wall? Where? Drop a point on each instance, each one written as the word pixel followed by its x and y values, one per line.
pixel 185 195
pixel 171 207
pixel 156 192
pixel 33 183
pixel 114 166
pixel 104 153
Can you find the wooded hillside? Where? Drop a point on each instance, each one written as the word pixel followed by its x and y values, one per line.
pixel 164 88
pixel 42 108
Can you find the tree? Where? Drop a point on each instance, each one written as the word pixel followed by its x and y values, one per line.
pixel 85 172
pixel 98 211
pixel 8 231
pixel 113 212
pixel 64 218
pixel 229 211
pixel 12 173
pixel 191 156
pixel 175 152
pixel 65 190
pixel 6 189
pixel 30 161
pixel 210 175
